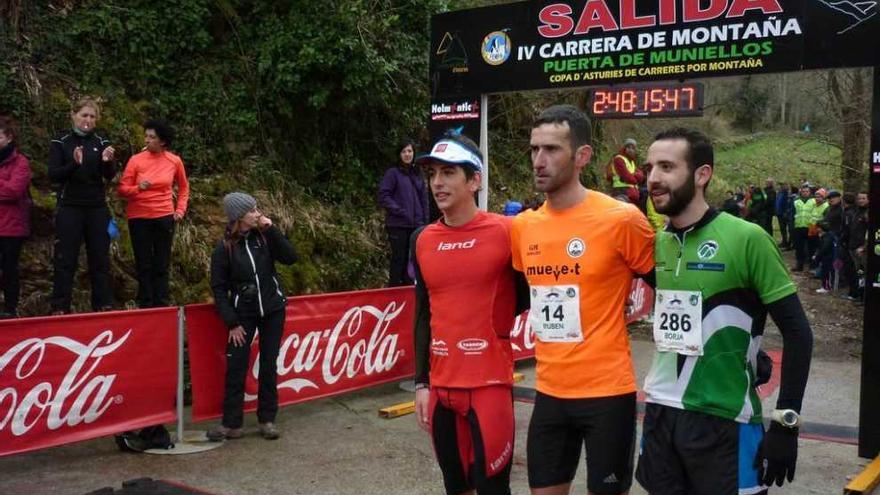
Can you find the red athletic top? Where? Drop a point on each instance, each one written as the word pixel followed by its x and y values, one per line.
pixel 465 303
pixel 162 170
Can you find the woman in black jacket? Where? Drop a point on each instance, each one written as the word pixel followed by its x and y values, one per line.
pixel 81 162
pixel 248 296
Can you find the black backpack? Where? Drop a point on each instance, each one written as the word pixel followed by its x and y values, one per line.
pixel 151 437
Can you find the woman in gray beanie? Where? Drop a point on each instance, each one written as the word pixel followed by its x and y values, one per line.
pixel 248 296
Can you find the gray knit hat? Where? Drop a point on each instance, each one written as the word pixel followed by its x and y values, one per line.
pixel 629 141
pixel 237 204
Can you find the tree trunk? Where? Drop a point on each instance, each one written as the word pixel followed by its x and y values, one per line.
pixel 853 96
pixel 783 99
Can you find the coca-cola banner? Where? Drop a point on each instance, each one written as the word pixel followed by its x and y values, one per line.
pixel 71 378
pixel 332 343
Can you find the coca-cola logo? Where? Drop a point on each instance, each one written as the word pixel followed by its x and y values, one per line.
pixel 80 397
pixel 360 343
pixel 472 345
pixel 636 298
pixel 522 337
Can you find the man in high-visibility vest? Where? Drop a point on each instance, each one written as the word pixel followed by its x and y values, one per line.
pixel 624 174
pixel 816 216
pixel 803 217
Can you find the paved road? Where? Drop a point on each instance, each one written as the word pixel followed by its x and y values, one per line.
pixel 340 446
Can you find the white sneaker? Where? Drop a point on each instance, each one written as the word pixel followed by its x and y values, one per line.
pixel 822 290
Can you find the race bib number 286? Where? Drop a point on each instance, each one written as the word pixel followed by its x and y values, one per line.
pixel 678 322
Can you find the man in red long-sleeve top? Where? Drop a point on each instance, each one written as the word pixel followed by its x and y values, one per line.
pixel 624 174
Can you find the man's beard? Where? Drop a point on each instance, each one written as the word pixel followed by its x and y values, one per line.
pixel 680 198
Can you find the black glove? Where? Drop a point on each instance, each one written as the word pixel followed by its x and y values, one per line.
pixel 777 455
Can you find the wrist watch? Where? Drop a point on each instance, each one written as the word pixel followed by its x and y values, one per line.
pixel 788 418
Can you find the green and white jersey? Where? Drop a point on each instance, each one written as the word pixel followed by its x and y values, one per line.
pixel 739 270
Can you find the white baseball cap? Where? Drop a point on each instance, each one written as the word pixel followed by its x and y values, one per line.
pixel 450 151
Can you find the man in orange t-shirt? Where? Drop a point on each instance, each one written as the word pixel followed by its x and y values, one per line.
pixel 579 253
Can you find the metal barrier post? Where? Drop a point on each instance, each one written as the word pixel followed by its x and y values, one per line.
pixel 180 330
pixel 196 441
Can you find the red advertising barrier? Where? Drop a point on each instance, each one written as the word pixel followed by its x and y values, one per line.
pixel 641 300
pixel 332 343
pixel 72 378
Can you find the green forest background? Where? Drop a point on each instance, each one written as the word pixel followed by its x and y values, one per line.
pixel 302 103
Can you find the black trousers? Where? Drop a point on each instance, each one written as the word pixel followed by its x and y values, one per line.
pixel 271 327
pixel 73 225
pixel 813 244
pixel 399 238
pixel 151 240
pixel 854 263
pixel 783 229
pixel 10 252
pixel 799 239
pixel 768 224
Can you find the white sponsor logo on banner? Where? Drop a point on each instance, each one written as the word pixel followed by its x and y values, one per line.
pixel 78 398
pixel 637 297
pixel 337 351
pixel 522 337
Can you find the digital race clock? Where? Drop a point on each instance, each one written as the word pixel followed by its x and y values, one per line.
pixel 647 100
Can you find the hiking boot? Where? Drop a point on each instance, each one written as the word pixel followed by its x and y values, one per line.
pixel 822 290
pixel 220 433
pixel 269 431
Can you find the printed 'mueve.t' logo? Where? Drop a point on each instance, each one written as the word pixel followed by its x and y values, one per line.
pixel 555 270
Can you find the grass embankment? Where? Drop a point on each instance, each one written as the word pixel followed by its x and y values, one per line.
pixel 341 245
pixel 787 158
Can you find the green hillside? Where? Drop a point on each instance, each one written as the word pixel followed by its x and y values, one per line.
pixel 785 157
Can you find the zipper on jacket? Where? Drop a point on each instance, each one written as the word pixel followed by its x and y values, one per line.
pixel 256 277
pixel 235 302
pixel 680 249
pixel 277 287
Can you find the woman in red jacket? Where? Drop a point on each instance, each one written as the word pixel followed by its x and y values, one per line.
pixel 148 183
pixel 15 204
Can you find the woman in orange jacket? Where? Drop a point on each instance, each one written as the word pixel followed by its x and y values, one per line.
pixel 148 184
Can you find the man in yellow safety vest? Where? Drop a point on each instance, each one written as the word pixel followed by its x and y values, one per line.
pixel 816 216
pixel 624 174
pixel 803 217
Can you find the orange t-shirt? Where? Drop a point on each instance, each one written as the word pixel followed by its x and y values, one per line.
pixel 162 170
pixel 596 245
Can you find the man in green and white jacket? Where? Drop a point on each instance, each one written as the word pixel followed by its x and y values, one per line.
pixel 717 277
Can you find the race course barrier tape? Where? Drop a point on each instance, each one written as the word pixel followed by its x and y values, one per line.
pixel 71 378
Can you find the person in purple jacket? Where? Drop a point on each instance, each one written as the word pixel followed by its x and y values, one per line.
pixel 405 198
pixel 15 204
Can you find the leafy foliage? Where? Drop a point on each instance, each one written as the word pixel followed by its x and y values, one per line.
pixel 301 101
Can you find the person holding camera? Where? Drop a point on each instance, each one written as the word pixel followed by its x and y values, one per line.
pixel 249 297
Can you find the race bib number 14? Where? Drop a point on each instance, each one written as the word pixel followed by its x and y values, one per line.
pixel 678 319
pixel 555 313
